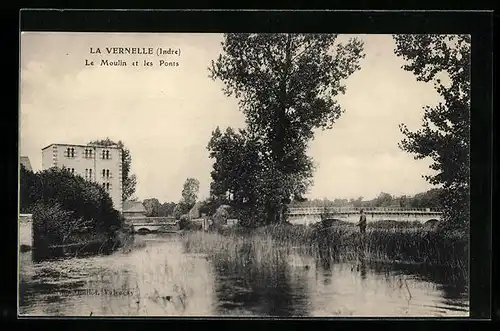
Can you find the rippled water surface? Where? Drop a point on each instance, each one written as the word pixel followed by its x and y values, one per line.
pixel 159 278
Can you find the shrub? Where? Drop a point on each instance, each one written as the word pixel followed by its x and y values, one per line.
pixel 186 224
pixel 220 216
pixel 86 200
pixel 390 224
pixel 64 204
pixel 51 224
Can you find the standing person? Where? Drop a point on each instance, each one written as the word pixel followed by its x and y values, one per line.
pixel 362 222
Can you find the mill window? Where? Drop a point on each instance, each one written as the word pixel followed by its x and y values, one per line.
pixel 105 155
pixel 88 153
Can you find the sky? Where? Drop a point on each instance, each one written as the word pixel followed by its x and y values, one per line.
pixel 165 115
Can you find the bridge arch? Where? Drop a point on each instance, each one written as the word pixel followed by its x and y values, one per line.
pixel 432 222
pixel 143 231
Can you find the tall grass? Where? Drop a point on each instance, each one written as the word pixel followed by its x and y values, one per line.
pixel 236 251
pixel 271 246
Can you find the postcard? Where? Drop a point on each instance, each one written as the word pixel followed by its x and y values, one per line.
pixel 244 174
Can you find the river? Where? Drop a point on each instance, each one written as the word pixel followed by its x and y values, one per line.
pixel 158 278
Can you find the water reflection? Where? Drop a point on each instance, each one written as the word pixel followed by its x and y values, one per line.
pixel 324 263
pixel 362 271
pixel 158 277
pixel 374 289
pixel 277 292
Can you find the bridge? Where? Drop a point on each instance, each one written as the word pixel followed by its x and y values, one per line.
pixel 308 215
pixel 153 224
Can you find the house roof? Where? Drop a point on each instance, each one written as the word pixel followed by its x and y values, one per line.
pixel 25 161
pixel 133 207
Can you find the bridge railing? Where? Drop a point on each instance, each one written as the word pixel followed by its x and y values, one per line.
pixel 320 210
pixel 151 220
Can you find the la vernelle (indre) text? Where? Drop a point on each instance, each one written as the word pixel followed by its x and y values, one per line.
pixel 147 51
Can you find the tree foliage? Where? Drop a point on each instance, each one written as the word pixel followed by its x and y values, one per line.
pixel 190 192
pixel 444 136
pixel 244 178
pixel 286 85
pixel 74 203
pixel 179 210
pixel 152 207
pixel 383 200
pixel 52 224
pixel 210 205
pixel 129 181
pixel 27 194
pixel 166 209
pixel 427 199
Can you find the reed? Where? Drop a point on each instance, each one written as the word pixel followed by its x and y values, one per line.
pixel 271 245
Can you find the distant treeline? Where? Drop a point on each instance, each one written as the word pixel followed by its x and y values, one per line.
pixel 156 209
pixel 428 199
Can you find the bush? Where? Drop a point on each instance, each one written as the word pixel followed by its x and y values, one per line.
pixel 63 204
pixel 51 224
pixel 390 224
pixel 186 224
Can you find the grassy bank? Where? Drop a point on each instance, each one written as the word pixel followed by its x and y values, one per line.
pixel 271 246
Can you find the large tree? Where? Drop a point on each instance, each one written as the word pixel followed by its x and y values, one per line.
pixel 129 180
pixel 443 60
pixel 286 85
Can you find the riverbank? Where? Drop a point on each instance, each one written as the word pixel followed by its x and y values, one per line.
pixel 272 245
pixel 81 244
